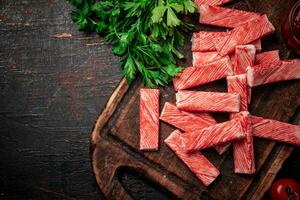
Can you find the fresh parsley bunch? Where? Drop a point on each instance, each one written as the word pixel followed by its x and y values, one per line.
pixel 147 34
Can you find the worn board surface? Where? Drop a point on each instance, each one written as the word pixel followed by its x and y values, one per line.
pixel 115 138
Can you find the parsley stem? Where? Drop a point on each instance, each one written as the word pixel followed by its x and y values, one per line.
pixel 92 21
pixel 117 34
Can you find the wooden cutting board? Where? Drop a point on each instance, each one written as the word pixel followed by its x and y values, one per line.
pixel 115 137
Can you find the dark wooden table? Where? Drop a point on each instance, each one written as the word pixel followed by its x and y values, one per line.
pixel 51 91
pixel 52 88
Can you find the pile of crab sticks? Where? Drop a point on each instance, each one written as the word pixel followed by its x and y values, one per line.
pixel 236 55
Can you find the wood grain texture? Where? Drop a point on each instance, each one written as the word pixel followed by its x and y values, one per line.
pixel 277 101
pixel 52 87
pixel 51 90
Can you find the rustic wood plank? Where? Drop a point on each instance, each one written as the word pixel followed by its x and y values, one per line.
pixel 51 90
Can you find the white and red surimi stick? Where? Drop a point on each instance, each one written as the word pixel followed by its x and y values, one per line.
pixel 273 72
pixel 184 120
pixel 202 74
pixel 214 135
pixel 276 130
pixel 244 57
pixel 238 84
pixel 204 170
pixel 243 149
pixel 267 57
pixel 224 17
pixel 207 101
pixel 211 2
pixel 206 41
pixel 149 119
pixel 244 34
pixel 201 58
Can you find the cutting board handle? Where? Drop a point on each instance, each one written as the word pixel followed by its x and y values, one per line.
pixel 106 165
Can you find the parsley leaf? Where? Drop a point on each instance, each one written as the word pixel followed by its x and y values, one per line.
pixel 129 70
pixel 172 19
pixel 158 14
pixel 147 34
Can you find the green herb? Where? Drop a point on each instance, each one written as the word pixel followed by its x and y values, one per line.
pixel 147 34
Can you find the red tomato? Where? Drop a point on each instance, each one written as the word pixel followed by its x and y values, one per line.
pixel 285 189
